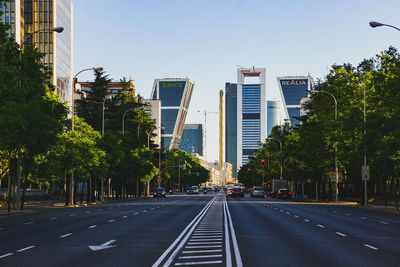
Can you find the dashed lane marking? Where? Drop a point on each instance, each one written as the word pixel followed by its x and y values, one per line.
pixel 124 217
pixel 383 222
pixel 348 214
pixel 306 220
pixel 371 247
pixel 111 221
pixel 28 223
pixel 93 226
pixel 73 214
pixel 363 218
pixel 88 211
pixel 341 234
pixel 135 213
pixel 319 225
pixel 62 236
pixel 296 216
pixel 53 218
pixel 6 255
pixel 23 249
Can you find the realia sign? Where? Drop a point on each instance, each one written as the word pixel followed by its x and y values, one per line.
pixel 302 82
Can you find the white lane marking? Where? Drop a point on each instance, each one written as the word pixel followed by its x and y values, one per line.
pixel 110 208
pixel 93 226
pixel 28 223
pixel 207 233
pixel 88 211
pixel 204 243
pixel 205 239
pixel 23 249
pixel 197 263
pixel 144 211
pixel 183 237
pixel 341 234
pixel 206 246
pixel 100 209
pixel 281 210
pixel 199 257
pixel 135 213
pixel 53 218
pixel 324 209
pixel 371 247
pixel 334 211
pixel 234 240
pixel 227 242
pixel 306 220
pixel 152 209
pixel 124 217
pixel 103 246
pixel 6 255
pixel 73 214
pixel 383 222
pixel 201 251
pixel 158 207
pixel 320 226
pixel 62 236
pixel 348 214
pixel 287 212
pixel 111 221
pixel 363 218
pixel 296 216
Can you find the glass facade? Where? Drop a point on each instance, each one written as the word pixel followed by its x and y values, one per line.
pixel 294 90
pixel 293 114
pixel 250 120
pixel 168 120
pixel 273 115
pixel 192 139
pixel 231 125
pixel 171 93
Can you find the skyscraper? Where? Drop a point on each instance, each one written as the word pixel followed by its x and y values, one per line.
pixel 251 110
pixel 27 16
pixel 231 125
pixel 192 139
pixel 293 89
pixel 175 95
pixel 273 115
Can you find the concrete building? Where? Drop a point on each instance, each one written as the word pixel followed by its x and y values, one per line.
pixel 251 112
pixel 175 95
pixel 231 125
pixel 192 139
pixel 293 89
pixel 153 108
pixel 273 115
pixel 27 16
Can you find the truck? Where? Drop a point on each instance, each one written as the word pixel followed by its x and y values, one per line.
pixel 276 185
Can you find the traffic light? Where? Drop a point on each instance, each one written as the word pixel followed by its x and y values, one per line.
pixel 248 169
pixel 262 162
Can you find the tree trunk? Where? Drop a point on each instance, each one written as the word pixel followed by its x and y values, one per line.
pixel 23 191
pixel 67 190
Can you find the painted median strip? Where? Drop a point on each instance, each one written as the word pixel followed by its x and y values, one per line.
pixel 103 246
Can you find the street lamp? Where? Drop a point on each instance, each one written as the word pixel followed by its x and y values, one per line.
pixel 280 144
pixel 375 24
pixel 58 30
pixel 123 120
pixel 336 165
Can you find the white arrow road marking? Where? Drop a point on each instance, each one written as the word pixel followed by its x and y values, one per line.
pixel 103 246
pixel 23 249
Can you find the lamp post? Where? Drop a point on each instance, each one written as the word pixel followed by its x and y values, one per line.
pixel 58 30
pixel 280 144
pixel 375 24
pixel 123 120
pixel 336 164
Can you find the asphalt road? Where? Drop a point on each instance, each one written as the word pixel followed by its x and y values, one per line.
pixel 201 229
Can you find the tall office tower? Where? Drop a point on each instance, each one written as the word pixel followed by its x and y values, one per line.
pixel 175 95
pixel 251 110
pixel 273 115
pixel 27 16
pixel 192 139
pixel 231 125
pixel 293 89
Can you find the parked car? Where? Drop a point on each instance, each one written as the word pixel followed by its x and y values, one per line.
pixel 257 192
pixel 193 190
pixel 284 193
pixel 159 192
pixel 237 192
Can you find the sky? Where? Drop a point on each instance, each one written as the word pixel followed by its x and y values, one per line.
pixel 206 41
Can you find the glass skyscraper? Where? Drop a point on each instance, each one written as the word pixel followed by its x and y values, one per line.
pixel 27 16
pixel 251 110
pixel 175 95
pixel 231 125
pixel 192 139
pixel 273 115
pixel 293 89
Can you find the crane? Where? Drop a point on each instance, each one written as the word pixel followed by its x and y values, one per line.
pixel 205 127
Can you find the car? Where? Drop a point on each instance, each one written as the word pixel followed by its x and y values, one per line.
pixel 284 193
pixel 257 191
pixel 159 192
pixel 229 191
pixel 237 192
pixel 193 190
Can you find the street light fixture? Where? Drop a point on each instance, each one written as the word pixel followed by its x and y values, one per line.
pixel 58 30
pixel 375 24
pixel 336 164
pixel 280 144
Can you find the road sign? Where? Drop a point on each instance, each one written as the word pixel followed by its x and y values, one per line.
pixel 365 173
pixel 158 176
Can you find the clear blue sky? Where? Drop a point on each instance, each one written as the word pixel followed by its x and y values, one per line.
pixel 206 40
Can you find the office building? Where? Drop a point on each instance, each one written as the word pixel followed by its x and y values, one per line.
pixel 27 16
pixel 273 115
pixel 175 95
pixel 251 112
pixel 153 108
pixel 293 89
pixel 231 125
pixel 192 139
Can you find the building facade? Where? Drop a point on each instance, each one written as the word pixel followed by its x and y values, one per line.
pixel 153 108
pixel 27 16
pixel 251 112
pixel 192 139
pixel 175 95
pixel 231 125
pixel 293 89
pixel 273 115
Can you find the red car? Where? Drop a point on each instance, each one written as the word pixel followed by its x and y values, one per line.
pixel 237 192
